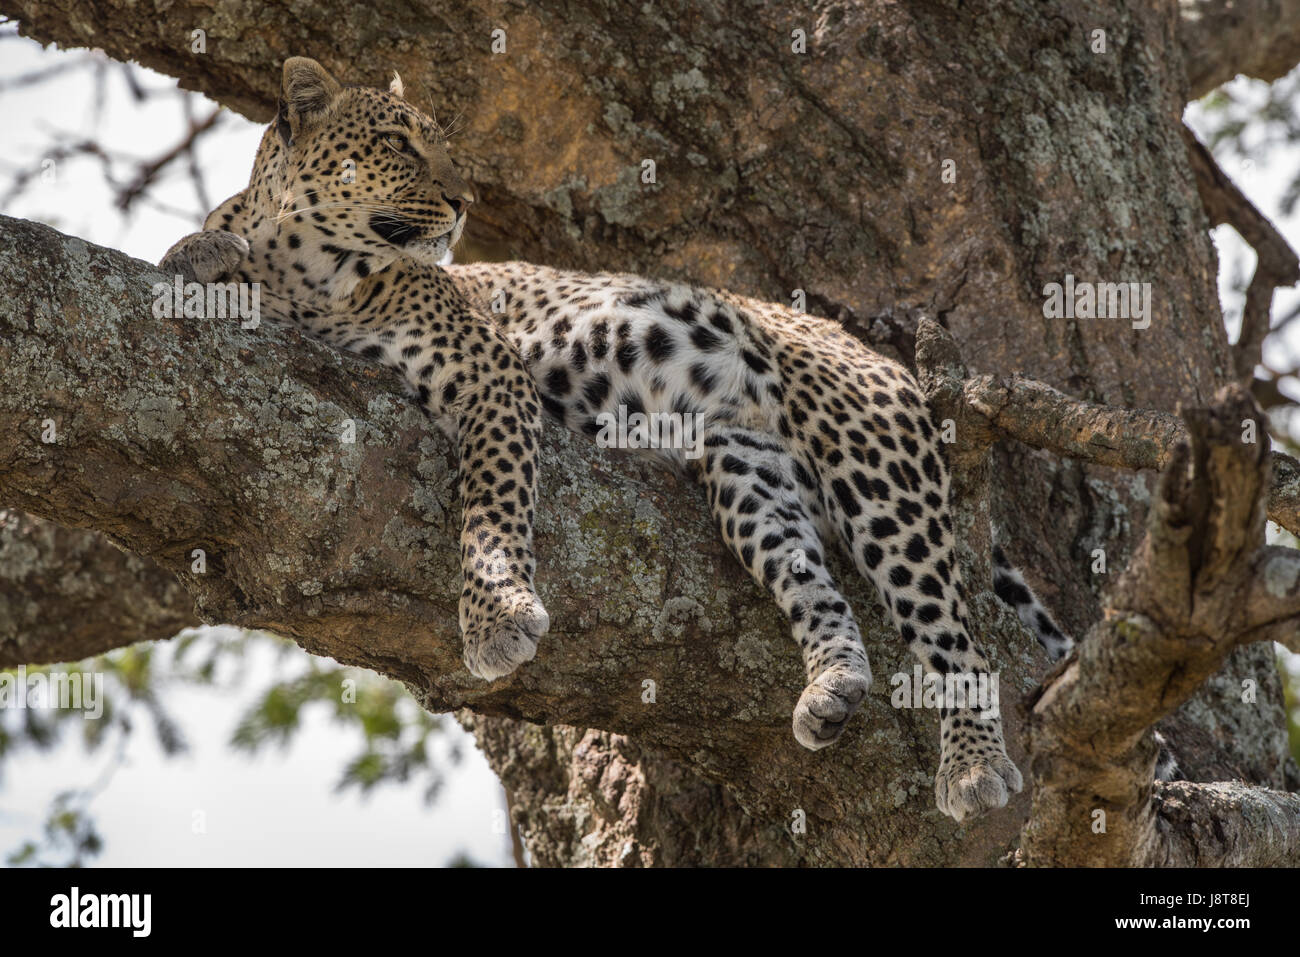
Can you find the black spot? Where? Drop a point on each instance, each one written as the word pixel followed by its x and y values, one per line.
pixel 900 576
pixel 702 378
pixel 771 568
pixel 554 407
pixel 557 382
pixel 705 339
pixel 734 465
pixel 928 614
pixel 1011 592
pixel 597 390
pixel 394 230
pixel 632 401
pixel 917 550
pixel 627 356
pixel 754 362
pixel 659 345
pixel 883 527
pixel 688 313
pixel 844 495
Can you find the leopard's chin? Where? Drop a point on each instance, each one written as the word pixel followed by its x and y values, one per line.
pixel 436 250
pixel 429 252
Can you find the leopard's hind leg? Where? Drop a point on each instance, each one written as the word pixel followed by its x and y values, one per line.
pixel 885 488
pixel 755 496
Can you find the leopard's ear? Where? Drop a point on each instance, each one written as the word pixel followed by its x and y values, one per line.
pixel 307 92
pixel 396 88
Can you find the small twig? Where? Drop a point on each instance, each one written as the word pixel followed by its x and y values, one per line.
pixel 43 74
pixel 1277 263
pixel 148 172
pixel 58 154
pixel 192 161
pixel 986 408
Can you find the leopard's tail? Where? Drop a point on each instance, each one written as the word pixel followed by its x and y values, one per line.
pixel 1011 587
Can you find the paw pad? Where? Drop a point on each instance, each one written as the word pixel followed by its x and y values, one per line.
pixel 496 647
pixel 827 704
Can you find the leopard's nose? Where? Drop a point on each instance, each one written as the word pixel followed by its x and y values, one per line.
pixel 459 202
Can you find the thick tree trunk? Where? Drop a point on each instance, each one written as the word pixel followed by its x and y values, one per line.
pixel 776 172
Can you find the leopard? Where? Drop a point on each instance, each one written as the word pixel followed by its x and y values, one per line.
pixel 806 437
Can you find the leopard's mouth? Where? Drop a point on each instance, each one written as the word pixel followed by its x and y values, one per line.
pixel 405 234
pixel 394 229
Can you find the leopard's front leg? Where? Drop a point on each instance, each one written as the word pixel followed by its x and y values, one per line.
pixel 211 255
pixel 497 414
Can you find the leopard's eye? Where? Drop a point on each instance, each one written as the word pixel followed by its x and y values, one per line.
pixel 398 143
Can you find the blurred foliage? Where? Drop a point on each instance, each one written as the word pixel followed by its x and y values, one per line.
pixel 394 729
pixel 69 838
pixel 1243 121
pixel 395 733
pixel 1289 665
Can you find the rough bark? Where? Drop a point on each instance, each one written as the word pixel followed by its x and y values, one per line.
pixel 1201 584
pixel 67 594
pixel 1227 825
pixel 776 171
pixel 595 799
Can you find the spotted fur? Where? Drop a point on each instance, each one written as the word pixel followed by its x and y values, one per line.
pixel 1011 588
pixel 810 440
pixel 1009 585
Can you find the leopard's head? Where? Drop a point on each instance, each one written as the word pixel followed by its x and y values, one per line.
pixel 364 171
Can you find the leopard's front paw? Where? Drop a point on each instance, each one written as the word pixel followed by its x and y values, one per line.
pixel 968 784
pixel 828 703
pixel 207 256
pixel 498 645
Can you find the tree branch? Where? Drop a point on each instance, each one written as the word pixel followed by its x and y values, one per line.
pixel 1226 825
pixel 1222 38
pixel 1201 585
pixel 987 408
pixel 1183 604
pixel 179 434
pixel 1276 264
pixel 67 594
